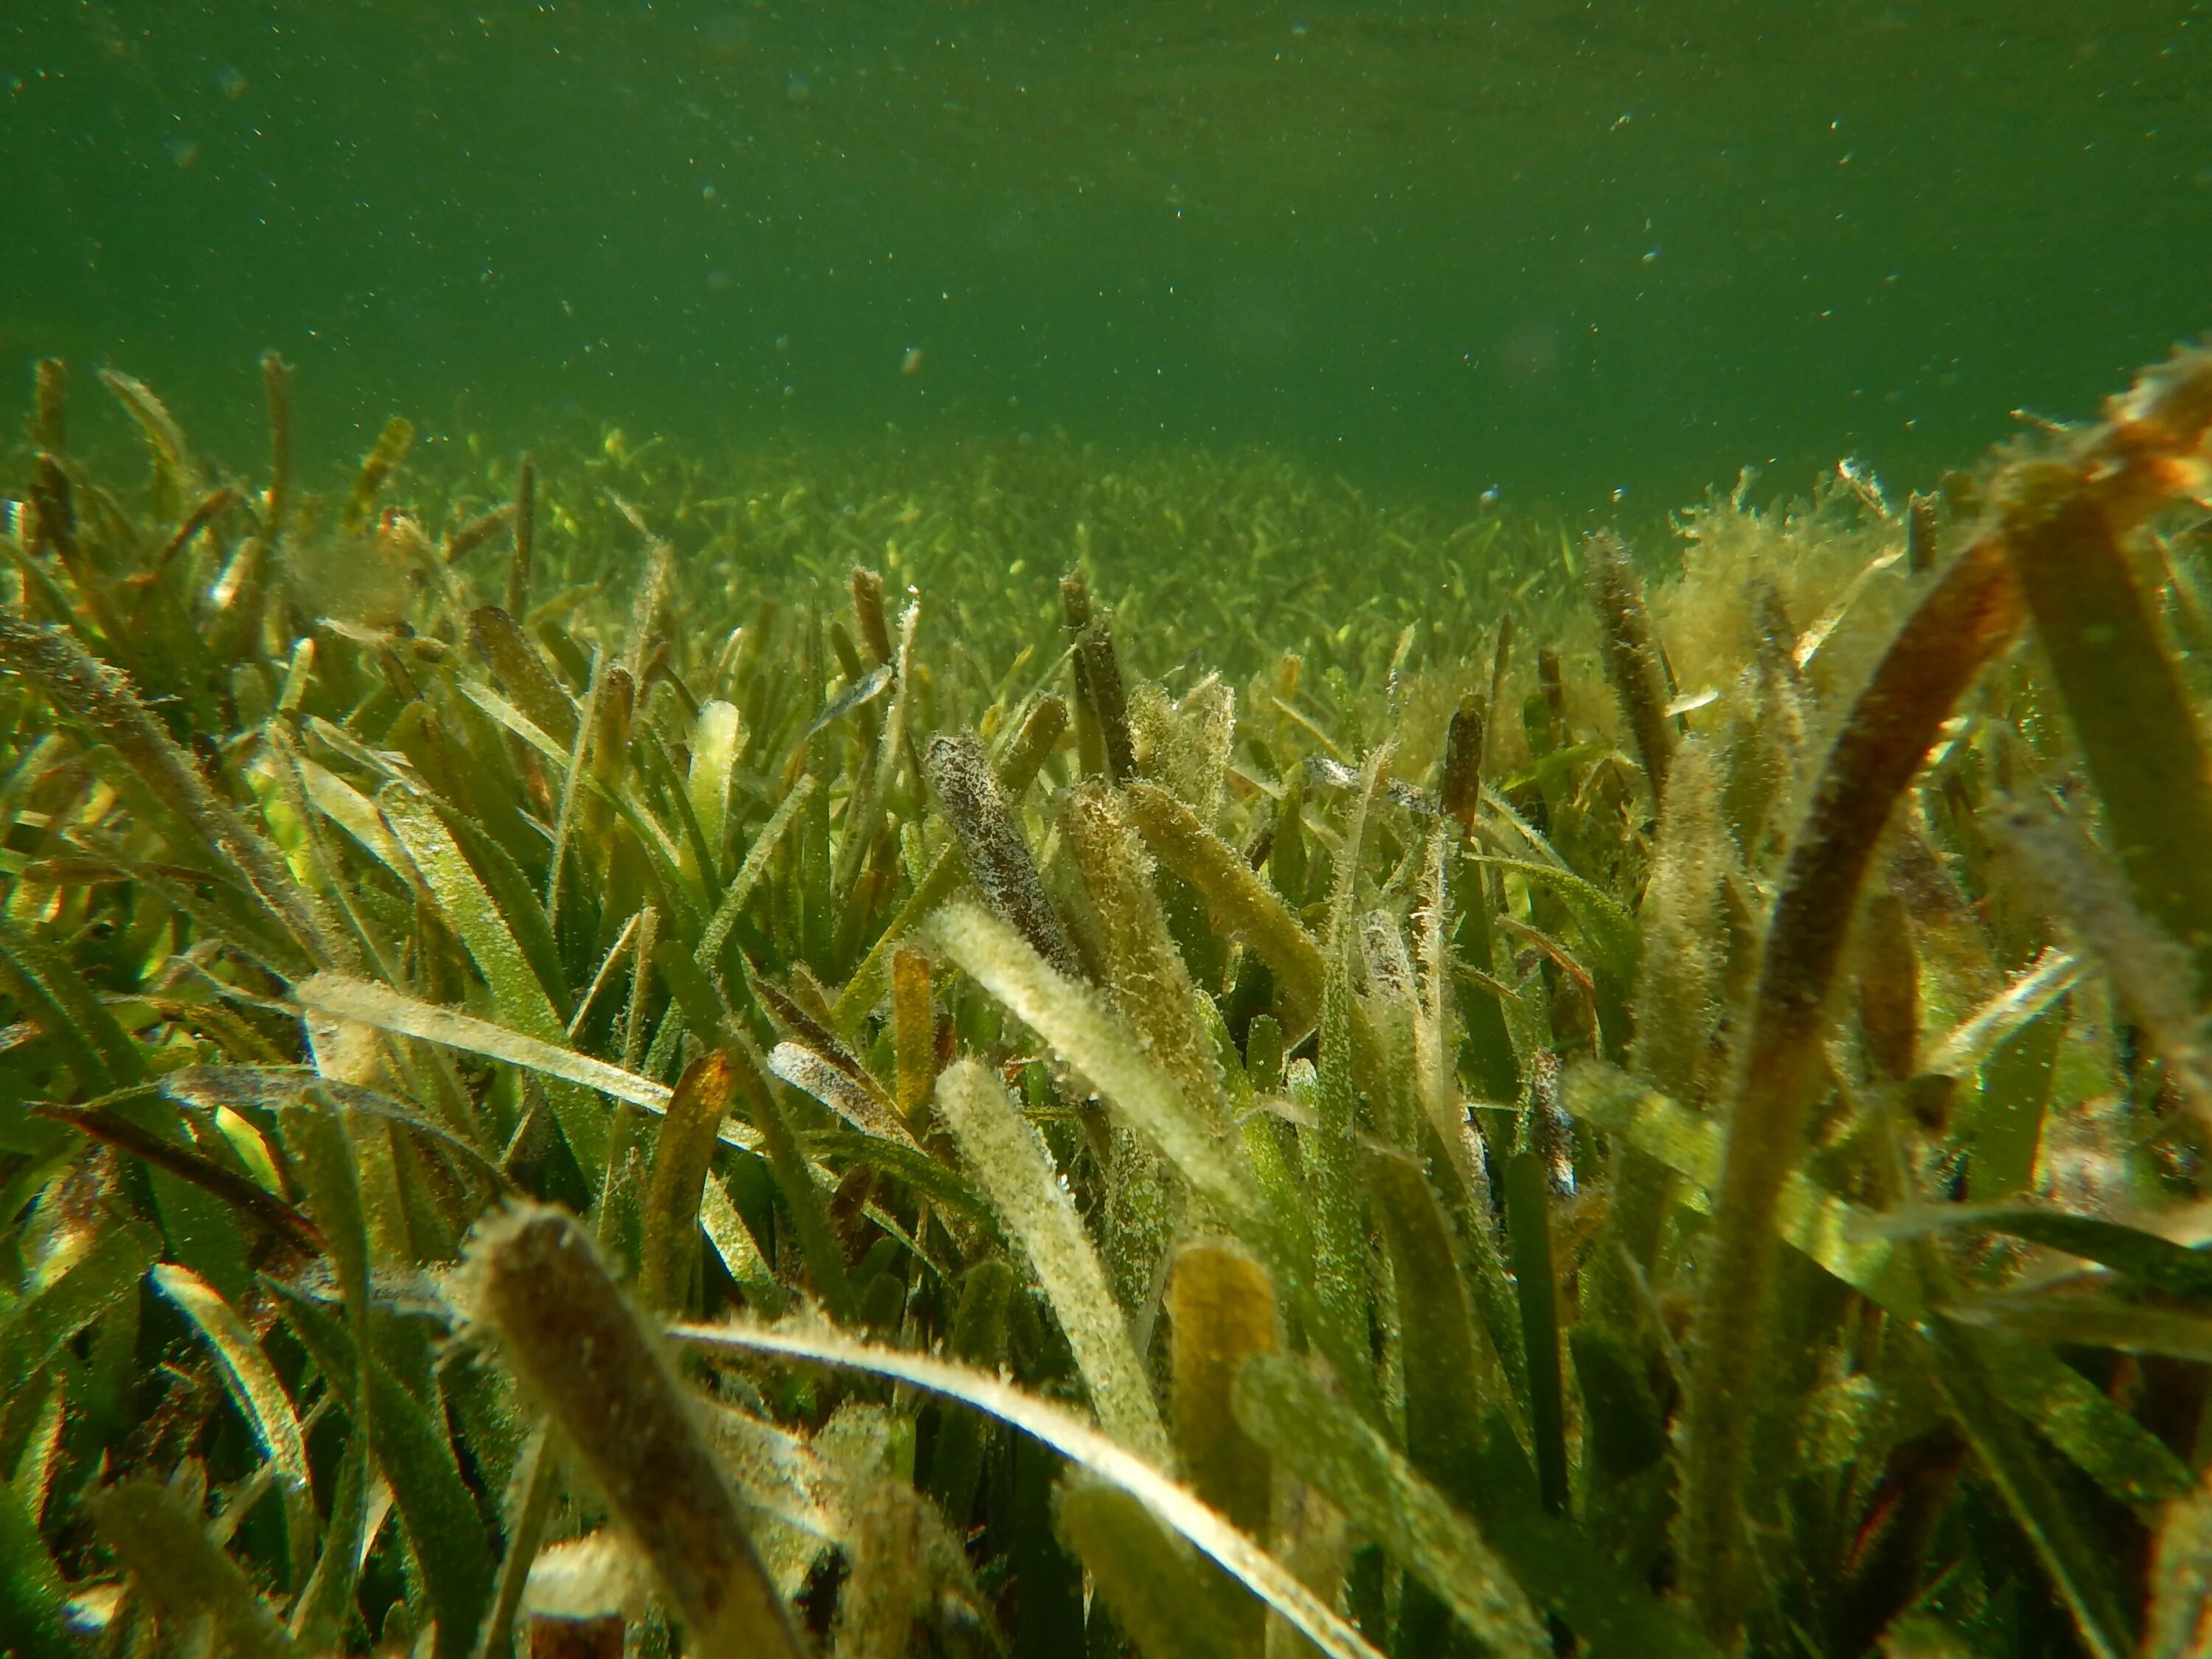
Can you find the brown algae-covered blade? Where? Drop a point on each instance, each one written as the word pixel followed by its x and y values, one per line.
pixel 1075 611
pixel 681 1157
pixel 525 550
pixel 250 1198
pixel 1145 977
pixel 868 612
pixel 1102 674
pixel 1460 791
pixel 1969 615
pixel 1223 1307
pixel 1029 748
pixel 998 857
pixel 913 1035
pixel 1243 903
pixel 515 663
pixel 50 416
pixel 243 592
pixel 1632 654
pixel 1921 533
pixel 1024 755
pixel 2180 1607
pixel 583 1351
pixel 377 467
pixel 175 479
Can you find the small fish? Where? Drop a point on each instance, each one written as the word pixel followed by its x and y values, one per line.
pixel 912 364
pixel 866 688
pixel 1336 774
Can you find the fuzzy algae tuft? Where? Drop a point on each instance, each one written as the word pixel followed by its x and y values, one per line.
pixel 813 1054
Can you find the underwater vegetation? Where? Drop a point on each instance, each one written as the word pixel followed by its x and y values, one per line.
pixel 991 1054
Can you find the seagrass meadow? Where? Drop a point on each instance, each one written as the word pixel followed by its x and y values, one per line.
pixel 982 1050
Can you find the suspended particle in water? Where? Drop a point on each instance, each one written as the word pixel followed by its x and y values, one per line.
pixel 796 89
pixel 184 151
pixel 230 80
pixel 910 365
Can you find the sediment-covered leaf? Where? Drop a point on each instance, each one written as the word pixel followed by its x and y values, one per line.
pixel 387 1010
pixel 1017 1171
pixel 1324 1442
pixel 185 1574
pixel 1067 1015
pixel 259 1396
pixel 1151 1583
pixel 1072 1439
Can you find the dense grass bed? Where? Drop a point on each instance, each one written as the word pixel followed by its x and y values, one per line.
pixel 991 1051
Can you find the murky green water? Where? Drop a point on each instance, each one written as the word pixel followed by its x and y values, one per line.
pixel 1558 247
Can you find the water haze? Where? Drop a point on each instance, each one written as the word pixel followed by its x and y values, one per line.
pixel 1565 248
